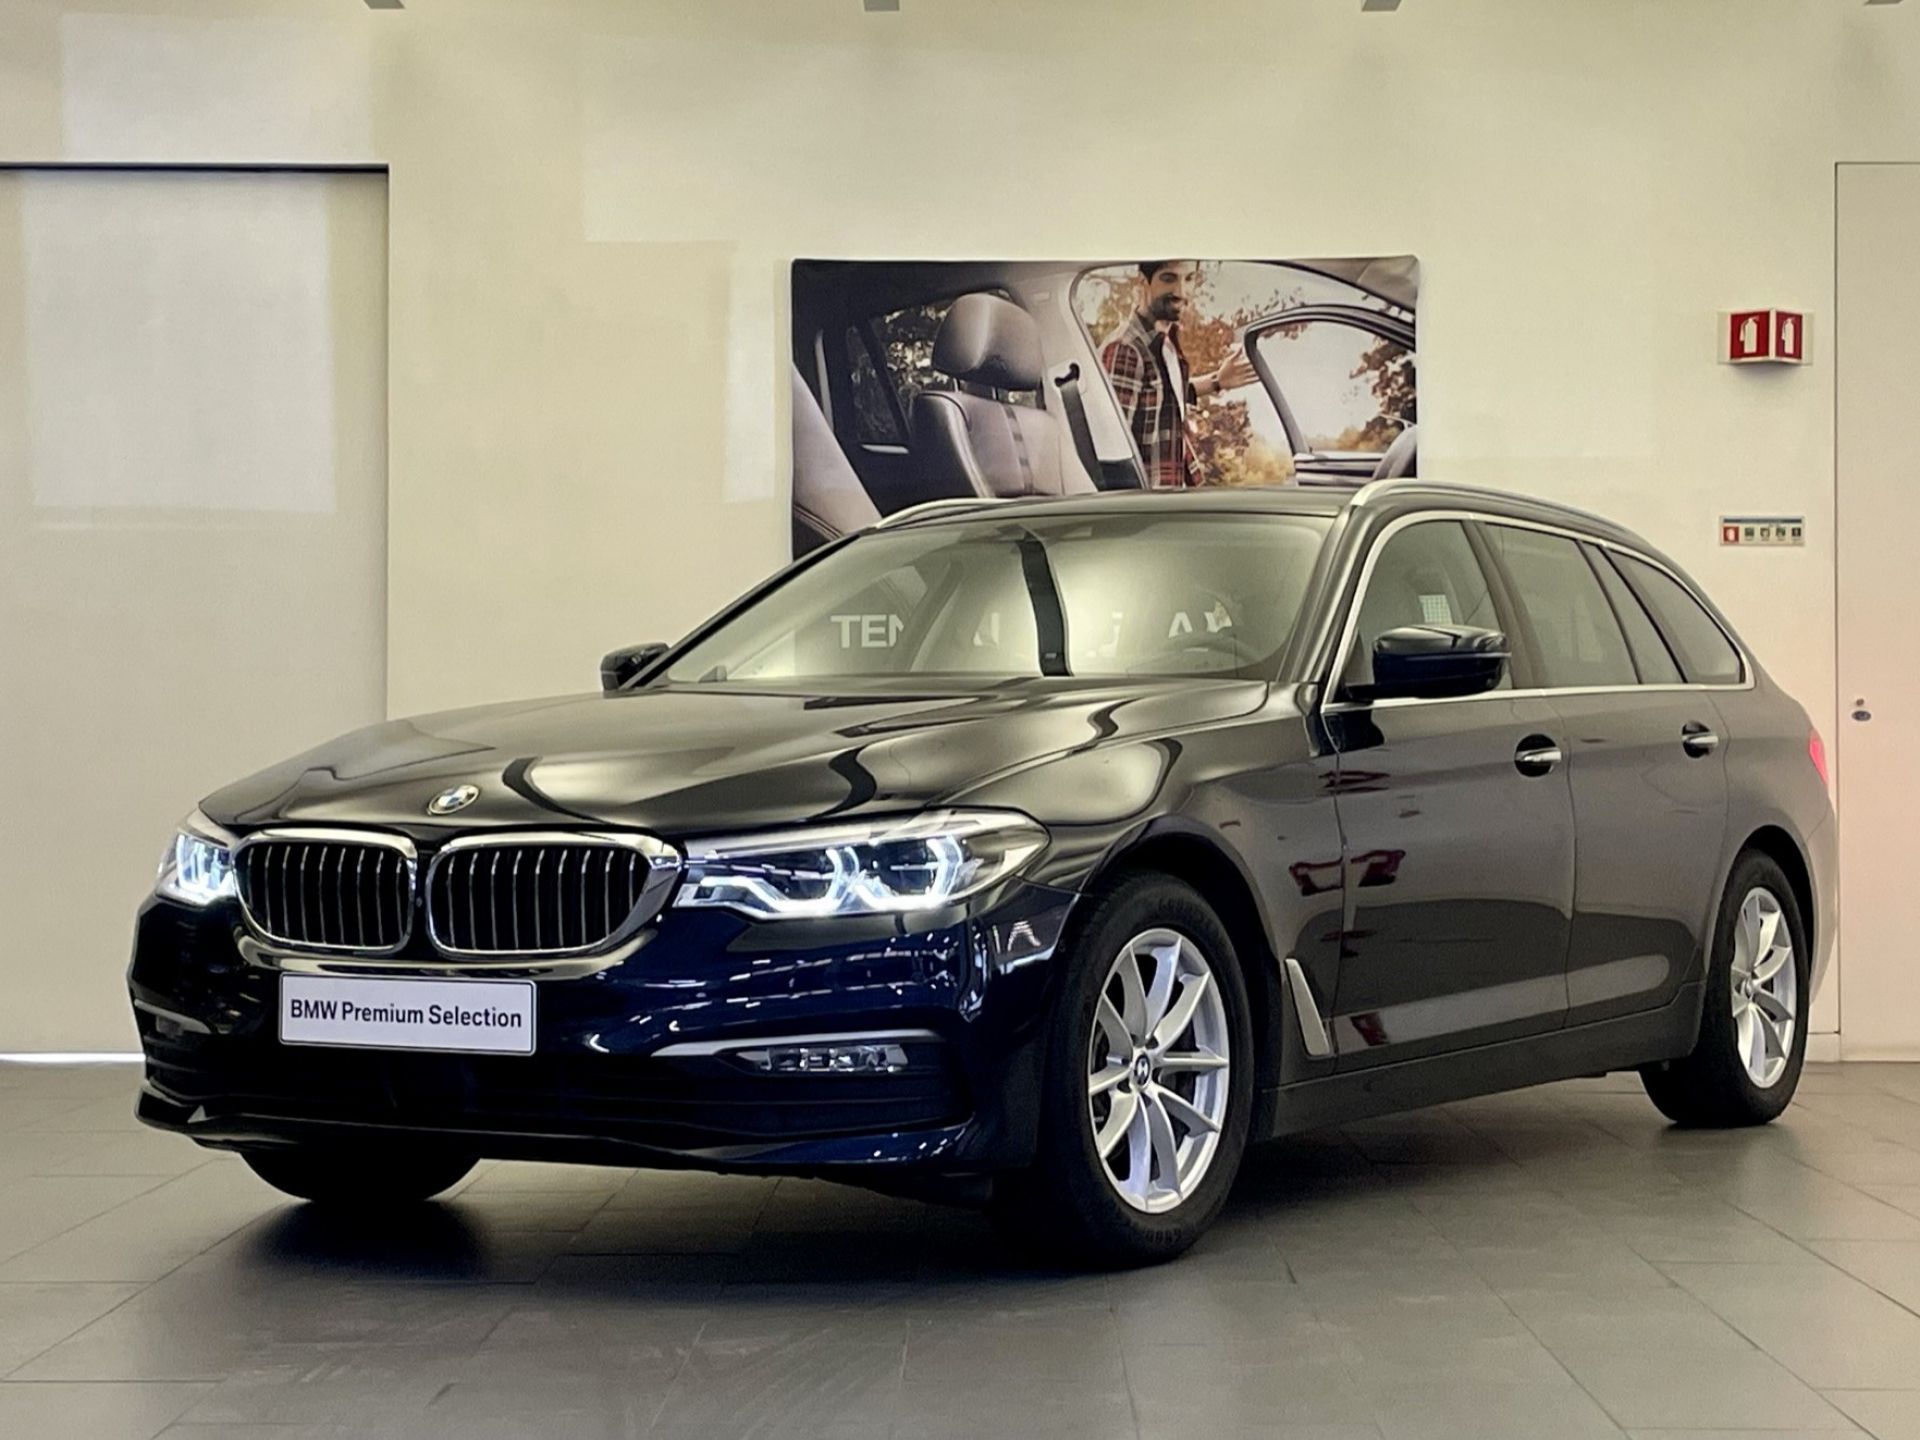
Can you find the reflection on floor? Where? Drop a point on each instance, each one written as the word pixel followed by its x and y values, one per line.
pixel 1554 1262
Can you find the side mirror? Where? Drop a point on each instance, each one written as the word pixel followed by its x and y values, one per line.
pixel 1434 662
pixel 617 667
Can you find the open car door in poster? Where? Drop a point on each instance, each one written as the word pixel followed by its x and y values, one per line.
pixel 934 380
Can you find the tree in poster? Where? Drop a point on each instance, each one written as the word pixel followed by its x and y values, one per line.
pixel 1388 369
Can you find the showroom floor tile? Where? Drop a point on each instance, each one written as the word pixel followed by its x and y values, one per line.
pixel 1556 1262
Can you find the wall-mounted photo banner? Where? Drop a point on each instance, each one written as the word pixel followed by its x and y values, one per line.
pixel 929 380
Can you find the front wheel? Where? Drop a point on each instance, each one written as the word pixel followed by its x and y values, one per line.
pixel 1148 1084
pixel 1753 1031
pixel 349 1177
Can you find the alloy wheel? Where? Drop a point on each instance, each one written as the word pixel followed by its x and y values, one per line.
pixel 1766 988
pixel 1157 1070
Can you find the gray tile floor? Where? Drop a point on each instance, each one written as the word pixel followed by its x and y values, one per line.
pixel 1556 1262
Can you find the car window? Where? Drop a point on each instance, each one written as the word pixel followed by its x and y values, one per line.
pixel 1350 391
pixel 1426 574
pixel 1704 651
pixel 1650 654
pixel 1560 597
pixel 1136 595
pixel 874 422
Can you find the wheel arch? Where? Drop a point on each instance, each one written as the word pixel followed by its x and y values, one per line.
pixel 1212 869
pixel 1779 846
pixel 1775 841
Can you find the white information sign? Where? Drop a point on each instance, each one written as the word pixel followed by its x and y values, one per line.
pixel 491 1017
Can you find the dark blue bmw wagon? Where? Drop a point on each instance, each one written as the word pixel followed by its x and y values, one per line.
pixel 1045 853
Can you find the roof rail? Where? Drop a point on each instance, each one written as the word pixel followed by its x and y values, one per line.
pixel 1376 489
pixel 936 507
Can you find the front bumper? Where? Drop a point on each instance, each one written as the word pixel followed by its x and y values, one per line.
pixel 611 1080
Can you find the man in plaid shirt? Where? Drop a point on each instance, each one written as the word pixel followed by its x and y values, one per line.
pixel 1151 378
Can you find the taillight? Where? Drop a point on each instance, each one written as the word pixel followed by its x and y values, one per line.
pixel 1817 752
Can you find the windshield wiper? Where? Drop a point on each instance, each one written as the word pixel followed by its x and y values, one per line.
pixel 1049 619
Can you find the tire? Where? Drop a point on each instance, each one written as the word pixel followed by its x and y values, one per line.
pixel 350 1177
pixel 1071 1202
pixel 1727 1081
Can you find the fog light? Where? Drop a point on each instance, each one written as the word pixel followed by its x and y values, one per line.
pixel 827 1059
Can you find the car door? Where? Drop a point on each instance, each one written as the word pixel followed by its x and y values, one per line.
pixel 1457 826
pixel 1342 379
pixel 1649 779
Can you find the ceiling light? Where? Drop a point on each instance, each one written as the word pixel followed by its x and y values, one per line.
pixel 384 5
pixel 1379 4
pixel 882 4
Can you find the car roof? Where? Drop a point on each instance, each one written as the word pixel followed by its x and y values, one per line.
pixel 1385 498
pixel 1285 500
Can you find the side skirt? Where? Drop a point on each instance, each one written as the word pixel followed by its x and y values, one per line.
pixel 1623 1043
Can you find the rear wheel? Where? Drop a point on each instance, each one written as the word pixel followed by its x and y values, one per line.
pixel 1753 1034
pixel 349 1177
pixel 1148 1084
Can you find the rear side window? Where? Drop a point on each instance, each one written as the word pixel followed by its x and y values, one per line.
pixel 1560 597
pixel 1426 574
pixel 1702 647
pixel 874 422
pixel 1650 654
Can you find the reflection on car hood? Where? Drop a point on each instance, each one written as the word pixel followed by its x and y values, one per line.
pixel 687 760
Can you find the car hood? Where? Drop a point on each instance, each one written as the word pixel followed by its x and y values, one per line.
pixel 703 759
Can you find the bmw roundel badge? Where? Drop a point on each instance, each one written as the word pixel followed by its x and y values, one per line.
pixel 457 797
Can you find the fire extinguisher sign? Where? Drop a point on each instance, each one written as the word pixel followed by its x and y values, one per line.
pixel 1763 337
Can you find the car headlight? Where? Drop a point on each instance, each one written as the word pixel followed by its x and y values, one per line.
pixel 872 869
pixel 198 866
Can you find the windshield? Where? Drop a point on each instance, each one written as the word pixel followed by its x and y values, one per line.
pixel 1098 595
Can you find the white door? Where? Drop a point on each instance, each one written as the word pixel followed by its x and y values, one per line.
pixel 1877 752
pixel 192 533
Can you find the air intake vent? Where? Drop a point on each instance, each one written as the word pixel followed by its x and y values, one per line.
pixel 545 894
pixel 326 890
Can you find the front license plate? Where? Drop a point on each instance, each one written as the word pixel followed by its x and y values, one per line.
pixel 488 1017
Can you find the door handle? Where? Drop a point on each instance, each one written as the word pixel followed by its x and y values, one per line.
pixel 1697 740
pixel 1537 755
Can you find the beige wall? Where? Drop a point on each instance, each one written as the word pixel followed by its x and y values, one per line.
pixel 592 206
pixel 192 533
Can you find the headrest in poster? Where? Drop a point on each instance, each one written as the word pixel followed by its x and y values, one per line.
pixel 989 341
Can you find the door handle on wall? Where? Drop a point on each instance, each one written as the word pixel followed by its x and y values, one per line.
pixel 1697 740
pixel 1537 755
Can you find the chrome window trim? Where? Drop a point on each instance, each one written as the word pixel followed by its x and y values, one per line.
pixel 334 835
pixel 1339 707
pixel 664 865
pixel 1406 484
pixel 1351 620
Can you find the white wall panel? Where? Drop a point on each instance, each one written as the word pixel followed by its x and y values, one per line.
pixel 192 533
pixel 1876 347
pixel 242 87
